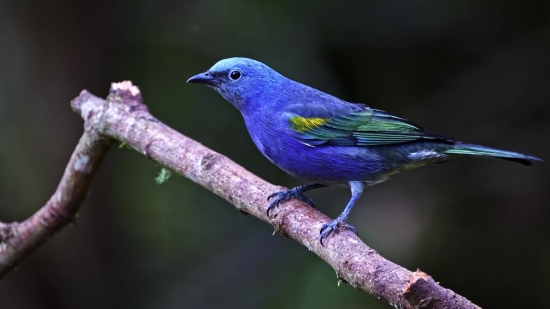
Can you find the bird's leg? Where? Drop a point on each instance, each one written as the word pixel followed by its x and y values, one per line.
pixel 356 191
pixel 295 192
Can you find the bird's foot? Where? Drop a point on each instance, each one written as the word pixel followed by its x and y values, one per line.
pixel 282 196
pixel 334 226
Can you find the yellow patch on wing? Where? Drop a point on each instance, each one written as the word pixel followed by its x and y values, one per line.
pixel 302 124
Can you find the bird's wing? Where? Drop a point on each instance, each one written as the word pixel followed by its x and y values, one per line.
pixel 356 126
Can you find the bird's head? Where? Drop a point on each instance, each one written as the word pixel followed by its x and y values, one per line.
pixel 241 81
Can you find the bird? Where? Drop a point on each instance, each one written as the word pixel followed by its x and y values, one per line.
pixel 327 141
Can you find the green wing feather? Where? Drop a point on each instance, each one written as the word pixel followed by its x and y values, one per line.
pixel 359 127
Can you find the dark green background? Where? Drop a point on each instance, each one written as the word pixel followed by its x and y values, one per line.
pixel 475 70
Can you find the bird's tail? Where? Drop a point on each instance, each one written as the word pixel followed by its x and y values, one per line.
pixel 482 151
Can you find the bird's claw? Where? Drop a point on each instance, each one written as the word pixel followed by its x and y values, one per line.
pixel 334 226
pixel 287 195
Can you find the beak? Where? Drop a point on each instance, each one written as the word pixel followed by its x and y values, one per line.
pixel 203 78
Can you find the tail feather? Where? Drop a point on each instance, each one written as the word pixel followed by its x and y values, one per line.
pixel 482 151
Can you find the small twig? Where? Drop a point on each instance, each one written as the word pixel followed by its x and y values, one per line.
pixel 124 117
pixel 20 239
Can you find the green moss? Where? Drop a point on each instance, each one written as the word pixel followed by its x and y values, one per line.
pixel 124 144
pixel 163 176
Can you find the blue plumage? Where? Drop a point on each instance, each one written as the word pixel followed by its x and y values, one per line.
pixel 320 138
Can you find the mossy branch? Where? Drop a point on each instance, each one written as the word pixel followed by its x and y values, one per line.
pixel 124 117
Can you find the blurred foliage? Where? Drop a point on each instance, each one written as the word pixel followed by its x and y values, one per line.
pixel 477 70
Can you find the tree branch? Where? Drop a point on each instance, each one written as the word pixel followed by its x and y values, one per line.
pixel 124 117
pixel 17 240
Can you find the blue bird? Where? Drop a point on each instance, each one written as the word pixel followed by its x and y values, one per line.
pixel 317 137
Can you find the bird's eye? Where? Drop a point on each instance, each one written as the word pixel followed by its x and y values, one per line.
pixel 235 74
